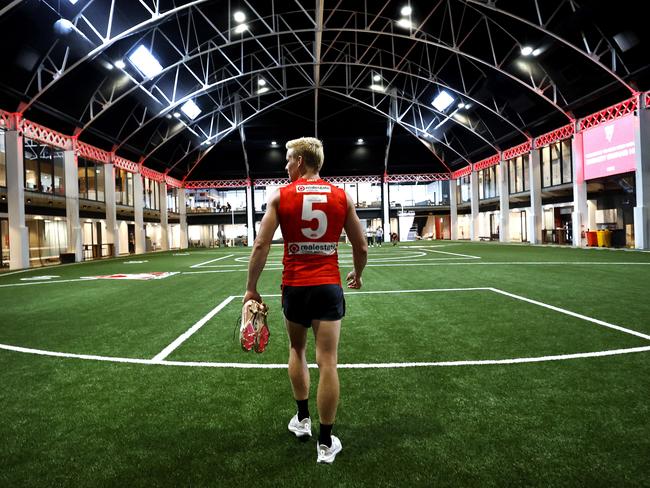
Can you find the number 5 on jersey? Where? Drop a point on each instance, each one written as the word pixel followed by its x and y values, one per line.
pixel 309 213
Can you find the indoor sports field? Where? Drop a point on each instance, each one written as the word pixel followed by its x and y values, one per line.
pixel 462 364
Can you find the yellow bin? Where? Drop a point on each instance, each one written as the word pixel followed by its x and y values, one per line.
pixel 604 238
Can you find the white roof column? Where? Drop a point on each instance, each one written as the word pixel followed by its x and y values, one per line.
pixel 72 204
pixel 642 208
pixel 473 228
pixel 504 201
pixel 385 207
pixel 18 235
pixel 164 217
pixel 138 213
pixel 112 232
pixel 580 217
pixel 182 210
pixel 535 185
pixel 250 213
pixel 453 210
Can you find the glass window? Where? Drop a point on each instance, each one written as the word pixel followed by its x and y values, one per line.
pixel 556 171
pixel 45 170
pixel 81 175
pixel 525 162
pixel 546 166
pixel 91 180
pixel 31 172
pixel 59 172
pixel 567 166
pixel 512 173
pixel 99 178
pixel 172 199
pixel 129 188
pixel 3 161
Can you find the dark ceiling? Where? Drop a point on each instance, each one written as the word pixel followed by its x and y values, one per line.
pixel 319 60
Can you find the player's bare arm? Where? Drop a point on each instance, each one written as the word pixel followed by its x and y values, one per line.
pixel 354 231
pixel 261 247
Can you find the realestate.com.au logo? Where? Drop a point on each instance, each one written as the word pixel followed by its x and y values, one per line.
pixel 323 248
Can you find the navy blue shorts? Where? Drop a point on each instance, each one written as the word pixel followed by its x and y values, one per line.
pixel 302 304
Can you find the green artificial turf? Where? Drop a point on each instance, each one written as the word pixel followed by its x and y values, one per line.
pixel 575 422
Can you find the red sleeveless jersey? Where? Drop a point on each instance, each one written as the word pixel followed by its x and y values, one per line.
pixel 312 215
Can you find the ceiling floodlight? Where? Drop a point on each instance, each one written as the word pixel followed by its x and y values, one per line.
pixel 73 1
pixel 264 89
pixel 526 51
pixel 274 143
pixel 120 64
pixel 239 16
pixel 261 82
pixel 191 109
pixel 406 11
pixel 536 52
pixel 442 101
pixel 359 141
pixel 379 88
pixel 241 28
pixel 376 78
pixel 146 62
pixel 168 116
pixel 177 114
pixel 461 105
pixel 405 23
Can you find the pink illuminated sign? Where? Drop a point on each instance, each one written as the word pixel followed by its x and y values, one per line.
pixel 609 148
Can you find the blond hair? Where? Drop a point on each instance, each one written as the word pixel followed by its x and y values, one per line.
pixel 311 150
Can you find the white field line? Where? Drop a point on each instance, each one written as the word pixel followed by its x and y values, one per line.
pixel 468 256
pixel 226 270
pixel 188 333
pixel 196 364
pixel 386 292
pixel 573 314
pixel 211 261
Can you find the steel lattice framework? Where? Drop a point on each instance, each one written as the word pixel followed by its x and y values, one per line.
pixel 610 113
pixel 461 172
pixel 416 178
pixel 554 136
pixel 297 48
pixel 91 152
pixel 281 46
pixel 487 162
pixel 513 152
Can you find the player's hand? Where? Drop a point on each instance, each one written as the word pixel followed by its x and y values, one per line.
pixel 353 281
pixel 252 295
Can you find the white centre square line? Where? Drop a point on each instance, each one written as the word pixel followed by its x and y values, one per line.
pixel 188 333
pixel 211 261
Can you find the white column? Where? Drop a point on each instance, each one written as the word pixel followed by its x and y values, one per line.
pixel 642 208
pixel 580 217
pixel 164 217
pixel 18 235
pixel 535 184
pixel 250 213
pixel 453 210
pixel 138 213
pixel 72 205
pixel 113 236
pixel 473 228
pixel 504 201
pixel 182 209
pixel 385 207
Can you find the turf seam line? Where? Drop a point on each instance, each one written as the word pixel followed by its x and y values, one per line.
pixel 188 333
pixel 573 314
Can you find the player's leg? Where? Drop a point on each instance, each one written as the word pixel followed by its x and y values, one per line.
pixel 300 423
pixel 298 370
pixel 327 340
